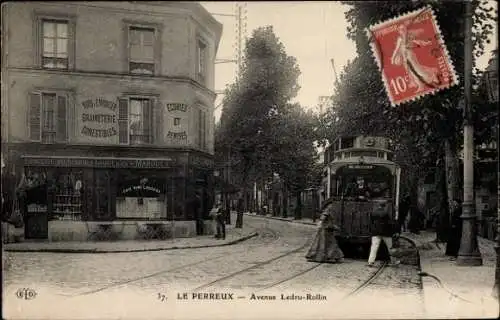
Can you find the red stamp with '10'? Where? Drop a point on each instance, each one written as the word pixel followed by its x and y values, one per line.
pixel 412 56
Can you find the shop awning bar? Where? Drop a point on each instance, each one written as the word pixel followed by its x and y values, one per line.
pixel 98 162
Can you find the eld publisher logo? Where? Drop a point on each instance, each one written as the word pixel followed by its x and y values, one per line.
pixel 26 294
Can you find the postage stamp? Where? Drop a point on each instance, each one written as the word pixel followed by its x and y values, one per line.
pixel 412 56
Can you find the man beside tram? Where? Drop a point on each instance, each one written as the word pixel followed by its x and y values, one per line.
pixel 382 229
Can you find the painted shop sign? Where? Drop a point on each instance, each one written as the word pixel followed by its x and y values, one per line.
pixel 201 162
pixel 176 107
pixel 177 135
pixel 143 187
pixel 100 163
pixel 98 120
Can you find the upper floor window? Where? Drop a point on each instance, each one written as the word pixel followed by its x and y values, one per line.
pixel 201 68
pixel 141 54
pixel 135 120
pixel 48 117
pixel 55 36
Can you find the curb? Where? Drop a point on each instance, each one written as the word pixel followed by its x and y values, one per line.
pixel 281 219
pixel 253 234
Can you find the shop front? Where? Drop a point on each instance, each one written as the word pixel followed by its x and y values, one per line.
pixel 75 198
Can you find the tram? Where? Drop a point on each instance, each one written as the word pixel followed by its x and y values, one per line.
pixel 361 178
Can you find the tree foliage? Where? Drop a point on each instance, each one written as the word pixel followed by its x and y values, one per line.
pixel 261 131
pixel 362 104
pixel 420 128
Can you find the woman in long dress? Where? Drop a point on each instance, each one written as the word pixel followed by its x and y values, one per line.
pixel 325 247
pixel 404 55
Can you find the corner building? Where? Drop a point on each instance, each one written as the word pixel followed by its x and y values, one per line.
pixel 107 114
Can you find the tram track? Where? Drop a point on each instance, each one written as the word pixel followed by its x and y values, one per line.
pixel 261 231
pixel 373 276
pixel 255 266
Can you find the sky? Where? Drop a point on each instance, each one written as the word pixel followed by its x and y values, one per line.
pixel 313 32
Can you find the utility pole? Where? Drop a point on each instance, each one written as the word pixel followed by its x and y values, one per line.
pixel 469 254
pixel 240 35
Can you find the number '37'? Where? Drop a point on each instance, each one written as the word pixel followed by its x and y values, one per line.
pixel 162 297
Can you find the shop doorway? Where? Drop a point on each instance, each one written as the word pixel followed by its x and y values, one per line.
pixel 36 223
pixel 104 205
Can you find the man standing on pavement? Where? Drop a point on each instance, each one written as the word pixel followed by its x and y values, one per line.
pixel 197 208
pixel 382 229
pixel 239 213
pixel 218 216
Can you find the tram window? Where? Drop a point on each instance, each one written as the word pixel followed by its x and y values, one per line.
pixel 347 143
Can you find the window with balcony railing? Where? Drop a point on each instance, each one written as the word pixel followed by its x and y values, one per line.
pixel 135 120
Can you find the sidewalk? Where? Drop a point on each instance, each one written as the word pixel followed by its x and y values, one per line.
pixel 233 236
pixel 460 292
pixel 456 291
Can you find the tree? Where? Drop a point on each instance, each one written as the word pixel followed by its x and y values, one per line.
pixel 295 153
pixel 423 129
pixel 253 106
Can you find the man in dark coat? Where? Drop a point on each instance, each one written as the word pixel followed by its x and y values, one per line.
pixel 455 233
pixel 239 213
pixel 382 229
pixel 404 206
pixel 198 214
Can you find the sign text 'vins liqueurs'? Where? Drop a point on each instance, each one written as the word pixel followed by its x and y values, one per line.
pixel 103 119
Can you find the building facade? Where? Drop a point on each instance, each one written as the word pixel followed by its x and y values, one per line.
pixel 107 113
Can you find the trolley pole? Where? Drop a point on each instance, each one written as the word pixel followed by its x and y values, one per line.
pixel 469 254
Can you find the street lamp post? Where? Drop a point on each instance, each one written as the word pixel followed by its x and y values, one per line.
pixel 469 254
pixel 491 81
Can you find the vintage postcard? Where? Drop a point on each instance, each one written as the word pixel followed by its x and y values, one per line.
pixel 244 160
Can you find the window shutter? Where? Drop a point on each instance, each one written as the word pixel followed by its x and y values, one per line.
pixel 200 128
pixel 62 107
pixel 123 135
pixel 71 44
pixel 157 121
pixel 35 115
pixel 146 114
pixel 126 41
pixel 204 131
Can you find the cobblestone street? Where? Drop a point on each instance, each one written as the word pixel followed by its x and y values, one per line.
pixel 128 284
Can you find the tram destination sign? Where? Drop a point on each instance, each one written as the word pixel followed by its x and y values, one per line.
pixel 100 163
pixel 361 166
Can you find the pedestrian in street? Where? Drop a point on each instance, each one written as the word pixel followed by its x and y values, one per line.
pixel 198 214
pixel 324 247
pixel 218 216
pixel 382 229
pixel 404 206
pixel 455 233
pixel 239 213
pixel 416 220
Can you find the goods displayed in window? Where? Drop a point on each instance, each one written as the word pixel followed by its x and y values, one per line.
pixel 68 196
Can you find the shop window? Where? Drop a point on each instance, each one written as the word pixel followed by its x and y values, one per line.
pixel 48 117
pixel 141 54
pixel 55 40
pixel 140 197
pixel 135 120
pixel 68 194
pixel 201 67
